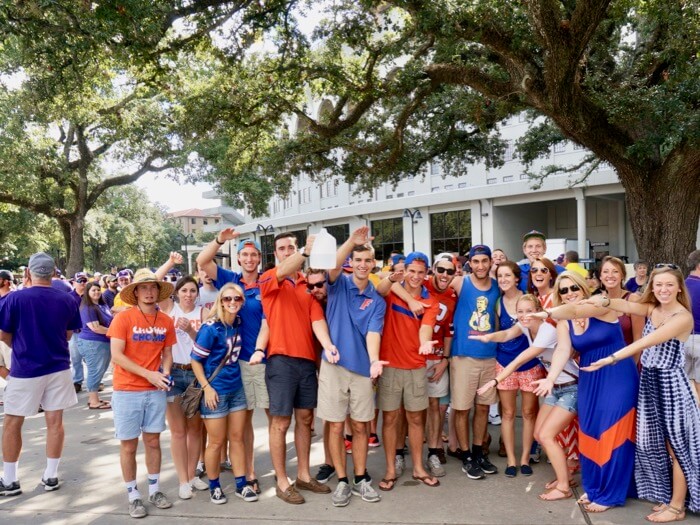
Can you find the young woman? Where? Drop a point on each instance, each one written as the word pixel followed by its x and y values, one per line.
pixel 224 404
pixel 92 342
pixel 612 274
pixel 541 281
pixel 186 434
pixel 667 464
pixel 606 437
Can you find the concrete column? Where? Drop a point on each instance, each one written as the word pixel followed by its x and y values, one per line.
pixel 581 221
pixel 621 229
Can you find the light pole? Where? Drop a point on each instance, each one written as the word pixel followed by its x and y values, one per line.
pixel 264 230
pixel 414 215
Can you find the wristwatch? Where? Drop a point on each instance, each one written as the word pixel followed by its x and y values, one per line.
pixel 303 251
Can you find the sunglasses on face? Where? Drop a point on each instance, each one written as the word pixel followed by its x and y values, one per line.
pixel 234 298
pixel 541 270
pixel 573 288
pixel 81 281
pixel 448 271
pixel 318 285
pixel 666 265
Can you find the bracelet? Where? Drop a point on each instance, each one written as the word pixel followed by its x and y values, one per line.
pixel 260 350
pixel 614 359
pixel 549 314
pixel 216 240
pixel 606 304
pixel 205 386
pixel 496 380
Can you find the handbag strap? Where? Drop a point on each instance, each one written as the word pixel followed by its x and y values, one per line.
pixel 223 361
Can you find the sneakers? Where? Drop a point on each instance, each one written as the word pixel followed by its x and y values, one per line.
pixel 456 453
pixel 486 466
pixel 325 472
pixel 494 419
pixel 365 490
pixel 9 489
pixel 348 446
pixel 200 470
pixel 526 470
pixel 290 495
pixel 472 470
pixel 441 455
pixel 535 452
pixel 159 500
pixel 373 441
pixel 434 466
pixel 312 485
pixel 226 465
pixel 247 493
pixel 399 465
pixel 199 484
pixel 342 495
pixel 511 471
pixel 185 491
pixel 137 509
pixel 217 497
pixel 50 484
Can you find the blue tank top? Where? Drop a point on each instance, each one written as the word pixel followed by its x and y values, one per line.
pixel 475 314
pixel 506 352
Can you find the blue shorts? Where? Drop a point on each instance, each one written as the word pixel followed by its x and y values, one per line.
pixel 136 412
pixel 291 383
pixel 181 380
pixel 564 397
pixel 228 403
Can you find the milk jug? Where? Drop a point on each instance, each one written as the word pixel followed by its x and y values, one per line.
pixel 323 253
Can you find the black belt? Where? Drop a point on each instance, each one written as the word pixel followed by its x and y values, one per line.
pixel 182 367
pixel 562 385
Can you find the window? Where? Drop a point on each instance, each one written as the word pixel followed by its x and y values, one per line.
pixel 329 189
pixel 388 236
pixel 462 185
pixel 509 153
pixel 508 178
pixel 287 202
pixel 491 181
pixel 560 147
pixel 340 231
pixel 268 251
pixel 449 186
pixel 216 221
pixel 451 231
pixel 205 222
pixel 301 237
pixel 435 168
pixel 193 221
pixel 304 195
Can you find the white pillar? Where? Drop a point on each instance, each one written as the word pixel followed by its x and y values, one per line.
pixel 581 222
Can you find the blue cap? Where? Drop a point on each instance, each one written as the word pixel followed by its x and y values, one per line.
pixel 418 257
pixel 479 249
pixel 249 242
pixel 396 259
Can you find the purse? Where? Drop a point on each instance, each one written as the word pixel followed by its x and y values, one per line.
pixel 192 397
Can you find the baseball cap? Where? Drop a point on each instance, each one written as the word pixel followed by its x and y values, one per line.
pixel 248 242
pixel 111 278
pixel 479 249
pixel 445 256
pixel 42 264
pixel 396 259
pixel 80 275
pixel 418 257
pixel 534 234
pixel 124 273
pixel 7 275
pixel 346 265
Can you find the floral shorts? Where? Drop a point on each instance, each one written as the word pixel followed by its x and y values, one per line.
pixel 521 380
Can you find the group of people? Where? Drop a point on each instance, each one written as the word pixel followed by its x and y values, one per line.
pixel 345 344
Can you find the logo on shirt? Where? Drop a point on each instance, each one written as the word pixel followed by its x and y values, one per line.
pixel 365 304
pixel 155 334
pixel 480 321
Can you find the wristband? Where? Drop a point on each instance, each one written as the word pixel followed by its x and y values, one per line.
pixel 216 240
pixel 260 350
pixel 496 380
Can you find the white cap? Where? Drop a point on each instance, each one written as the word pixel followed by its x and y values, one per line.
pixel 445 256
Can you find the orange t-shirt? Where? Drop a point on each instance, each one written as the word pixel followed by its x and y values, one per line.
pixel 146 336
pixel 290 309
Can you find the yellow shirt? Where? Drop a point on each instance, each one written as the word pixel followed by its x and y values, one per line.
pixel 576 267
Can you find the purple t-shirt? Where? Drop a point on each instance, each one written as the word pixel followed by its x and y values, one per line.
pixel 693 284
pixel 89 315
pixel 38 319
pixel 61 285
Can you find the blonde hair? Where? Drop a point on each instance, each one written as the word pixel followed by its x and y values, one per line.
pixel 683 295
pixel 532 298
pixel 218 313
pixel 577 280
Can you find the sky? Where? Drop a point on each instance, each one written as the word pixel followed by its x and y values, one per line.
pixel 173 195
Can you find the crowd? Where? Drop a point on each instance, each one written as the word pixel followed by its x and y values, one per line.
pixel 411 343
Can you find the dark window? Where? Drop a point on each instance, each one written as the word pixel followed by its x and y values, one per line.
pixel 268 250
pixel 341 232
pixel 388 236
pixel 301 237
pixel 451 231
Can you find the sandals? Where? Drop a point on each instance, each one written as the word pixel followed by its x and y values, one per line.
pixel 103 405
pixel 595 507
pixel 678 514
pixel 389 484
pixel 583 500
pixel 425 479
pixel 562 494
pixel 572 483
pixel 254 484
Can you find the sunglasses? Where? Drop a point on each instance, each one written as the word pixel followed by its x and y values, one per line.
pixel 573 288
pixel 541 270
pixel 666 265
pixel 81 281
pixel 318 285
pixel 234 298
pixel 448 271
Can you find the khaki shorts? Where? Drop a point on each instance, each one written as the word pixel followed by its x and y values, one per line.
pixel 52 391
pixel 342 392
pixel 440 388
pixel 408 387
pixel 254 386
pixel 468 374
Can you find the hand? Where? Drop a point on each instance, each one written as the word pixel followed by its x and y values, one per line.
pixel 158 380
pixel 211 398
pixel 483 338
pixel 183 324
pixel 361 235
pixel 396 277
pixel 537 315
pixel 594 300
pixel 438 371
pixel 600 363
pixel 227 234
pixel 376 369
pixel 427 347
pixel 256 358
pixel 417 307
pixel 332 355
pixel 309 244
pixel 544 386
pixel 176 258
pixel 488 386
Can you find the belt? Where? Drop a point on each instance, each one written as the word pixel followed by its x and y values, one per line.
pixel 562 385
pixel 182 367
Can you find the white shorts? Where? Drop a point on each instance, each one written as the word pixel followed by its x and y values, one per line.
pixel 440 388
pixel 52 391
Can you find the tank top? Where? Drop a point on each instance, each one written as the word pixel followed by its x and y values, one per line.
pixel 183 348
pixel 506 352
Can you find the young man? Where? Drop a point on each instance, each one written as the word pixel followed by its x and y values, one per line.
pixel 293 316
pixel 534 247
pixel 355 315
pixel 111 292
pixel 123 280
pixel 473 363
pixel 407 340
pixel 141 344
pixel 79 284
pixel 6 281
pixel 36 322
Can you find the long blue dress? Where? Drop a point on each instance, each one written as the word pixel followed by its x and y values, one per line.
pixel 669 413
pixel 607 409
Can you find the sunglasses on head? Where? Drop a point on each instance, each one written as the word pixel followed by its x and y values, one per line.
pixel 318 285
pixel 541 270
pixel 573 288
pixel 234 298
pixel 666 265
pixel 448 271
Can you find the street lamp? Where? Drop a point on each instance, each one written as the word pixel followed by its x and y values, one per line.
pixel 185 242
pixel 264 230
pixel 414 215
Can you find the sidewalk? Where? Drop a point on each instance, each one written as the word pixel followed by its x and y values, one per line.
pixel 92 489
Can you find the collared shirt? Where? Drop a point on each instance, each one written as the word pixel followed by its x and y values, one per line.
pixel 351 314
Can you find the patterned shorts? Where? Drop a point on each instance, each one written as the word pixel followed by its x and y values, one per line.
pixel 521 380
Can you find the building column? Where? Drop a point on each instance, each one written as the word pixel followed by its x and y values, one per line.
pixel 581 222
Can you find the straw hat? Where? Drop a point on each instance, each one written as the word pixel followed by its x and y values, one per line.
pixel 144 275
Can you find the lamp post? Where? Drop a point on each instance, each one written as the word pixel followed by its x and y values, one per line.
pixel 264 230
pixel 185 242
pixel 414 215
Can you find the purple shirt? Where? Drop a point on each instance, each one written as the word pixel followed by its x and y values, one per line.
pixel 89 315
pixel 693 284
pixel 38 319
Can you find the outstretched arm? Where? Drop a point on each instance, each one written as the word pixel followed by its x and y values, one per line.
pixel 173 259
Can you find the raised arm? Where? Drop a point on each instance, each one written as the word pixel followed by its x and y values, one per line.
pixel 173 259
pixel 294 262
pixel 385 285
pixel 359 236
pixel 205 259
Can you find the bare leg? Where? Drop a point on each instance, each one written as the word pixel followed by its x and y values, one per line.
pixel 127 458
pixel 360 446
pixel 550 422
pixel 508 403
pixel 336 446
pixel 434 427
pixel 178 439
pixel 481 420
pixel 278 448
pixel 530 408
pixel 12 438
pixel 151 443
pixel 302 441
pixel 461 419
pixel 389 428
pixel 416 427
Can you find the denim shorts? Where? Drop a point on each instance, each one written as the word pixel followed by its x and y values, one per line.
pixel 136 412
pixel 564 397
pixel 181 380
pixel 227 404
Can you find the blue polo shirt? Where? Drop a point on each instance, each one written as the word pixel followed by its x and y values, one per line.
pixel 252 312
pixel 351 314
pixel 475 314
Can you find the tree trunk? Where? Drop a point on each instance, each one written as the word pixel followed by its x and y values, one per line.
pixel 75 246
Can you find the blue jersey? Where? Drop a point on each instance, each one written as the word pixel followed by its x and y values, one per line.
pixel 213 342
pixel 475 315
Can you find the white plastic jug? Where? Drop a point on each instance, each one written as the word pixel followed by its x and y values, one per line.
pixel 323 253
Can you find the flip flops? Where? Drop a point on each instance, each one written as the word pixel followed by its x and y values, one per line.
pixel 103 405
pixel 389 484
pixel 425 479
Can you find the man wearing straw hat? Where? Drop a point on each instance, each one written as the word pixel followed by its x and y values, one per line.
pixel 141 344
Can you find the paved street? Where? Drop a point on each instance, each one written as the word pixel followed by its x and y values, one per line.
pixel 93 491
